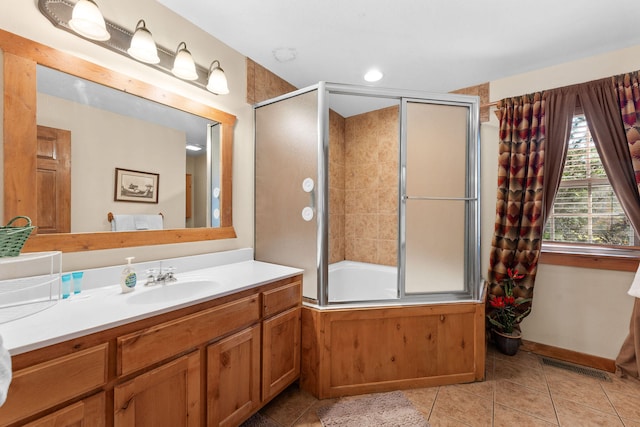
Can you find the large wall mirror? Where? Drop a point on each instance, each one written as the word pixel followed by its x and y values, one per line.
pixel 114 124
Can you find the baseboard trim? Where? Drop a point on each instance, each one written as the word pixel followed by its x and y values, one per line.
pixel 570 356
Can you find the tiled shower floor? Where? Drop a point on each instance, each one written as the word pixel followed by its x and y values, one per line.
pixel 518 391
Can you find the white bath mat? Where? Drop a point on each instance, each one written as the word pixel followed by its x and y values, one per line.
pixel 381 410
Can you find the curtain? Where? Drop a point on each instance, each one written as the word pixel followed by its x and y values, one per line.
pixel 560 108
pixel 628 97
pixel 533 134
pixel 518 227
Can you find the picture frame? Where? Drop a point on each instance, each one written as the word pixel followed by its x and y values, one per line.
pixel 136 186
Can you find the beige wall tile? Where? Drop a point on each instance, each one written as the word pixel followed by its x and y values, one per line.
pixel 387 252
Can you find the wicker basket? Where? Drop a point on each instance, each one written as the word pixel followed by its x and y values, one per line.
pixel 13 238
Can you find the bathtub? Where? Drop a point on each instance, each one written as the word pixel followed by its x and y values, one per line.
pixel 367 345
pixel 359 281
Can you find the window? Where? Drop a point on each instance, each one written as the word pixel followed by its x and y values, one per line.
pixel 586 210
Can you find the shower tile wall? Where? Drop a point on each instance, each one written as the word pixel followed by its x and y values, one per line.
pixel 336 187
pixel 371 187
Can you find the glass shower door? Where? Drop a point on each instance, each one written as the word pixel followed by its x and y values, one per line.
pixel 286 151
pixel 440 199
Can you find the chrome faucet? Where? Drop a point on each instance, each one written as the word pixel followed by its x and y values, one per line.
pixel 158 275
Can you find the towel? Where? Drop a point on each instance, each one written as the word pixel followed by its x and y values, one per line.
pixel 634 290
pixel 148 222
pixel 5 372
pixel 123 223
pixel 136 222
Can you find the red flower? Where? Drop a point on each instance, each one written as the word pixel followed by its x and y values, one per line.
pixel 509 301
pixel 498 302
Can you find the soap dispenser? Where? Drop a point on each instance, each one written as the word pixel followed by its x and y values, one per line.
pixel 128 278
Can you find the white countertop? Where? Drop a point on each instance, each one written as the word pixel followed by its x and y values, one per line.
pixel 103 308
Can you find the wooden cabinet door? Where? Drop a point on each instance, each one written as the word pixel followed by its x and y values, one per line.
pixel 233 378
pixel 281 352
pixel 89 412
pixel 166 396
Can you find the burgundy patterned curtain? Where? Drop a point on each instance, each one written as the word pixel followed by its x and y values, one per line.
pixel 628 94
pixel 519 208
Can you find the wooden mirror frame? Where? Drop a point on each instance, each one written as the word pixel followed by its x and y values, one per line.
pixel 19 132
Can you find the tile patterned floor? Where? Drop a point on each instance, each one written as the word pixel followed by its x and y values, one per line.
pixel 518 391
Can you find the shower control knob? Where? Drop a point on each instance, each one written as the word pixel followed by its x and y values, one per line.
pixel 307 185
pixel 216 213
pixel 307 214
pixel 216 192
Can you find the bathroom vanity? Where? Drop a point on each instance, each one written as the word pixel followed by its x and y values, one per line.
pixel 162 355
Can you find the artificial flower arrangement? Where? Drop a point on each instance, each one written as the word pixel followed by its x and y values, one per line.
pixel 505 316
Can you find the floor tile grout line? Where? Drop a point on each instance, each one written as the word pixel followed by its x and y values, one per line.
pixel 604 390
pixel 553 402
pixel 433 404
pixel 302 414
pixel 529 414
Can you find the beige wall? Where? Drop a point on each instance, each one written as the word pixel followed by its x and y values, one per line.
pixel 584 310
pixel 102 141
pixel 24 19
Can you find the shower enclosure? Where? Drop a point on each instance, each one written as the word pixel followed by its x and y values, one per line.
pixel 370 189
pixel 374 193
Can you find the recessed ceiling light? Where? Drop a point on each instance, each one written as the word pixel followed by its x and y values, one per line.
pixel 193 147
pixel 373 75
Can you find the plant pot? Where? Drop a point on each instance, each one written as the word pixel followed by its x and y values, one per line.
pixel 507 343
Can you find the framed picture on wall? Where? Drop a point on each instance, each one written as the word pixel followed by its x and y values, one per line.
pixel 136 186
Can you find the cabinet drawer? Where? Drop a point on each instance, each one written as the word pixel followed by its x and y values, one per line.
pixel 154 344
pixel 47 384
pixel 282 298
pixel 87 412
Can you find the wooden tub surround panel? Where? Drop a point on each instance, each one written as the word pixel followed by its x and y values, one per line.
pixel 355 351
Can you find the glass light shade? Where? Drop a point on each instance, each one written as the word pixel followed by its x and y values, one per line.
pixel 87 21
pixel 217 80
pixel 183 65
pixel 142 47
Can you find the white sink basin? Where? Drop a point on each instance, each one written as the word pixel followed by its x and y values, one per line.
pixel 173 292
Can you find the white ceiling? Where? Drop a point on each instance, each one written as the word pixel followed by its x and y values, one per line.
pixel 430 45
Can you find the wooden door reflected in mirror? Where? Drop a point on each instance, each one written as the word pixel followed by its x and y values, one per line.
pixel 53 187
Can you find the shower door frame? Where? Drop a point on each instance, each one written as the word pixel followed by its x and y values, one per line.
pixel 472 275
pixel 473 278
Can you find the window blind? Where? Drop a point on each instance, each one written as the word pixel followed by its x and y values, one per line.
pixel 586 210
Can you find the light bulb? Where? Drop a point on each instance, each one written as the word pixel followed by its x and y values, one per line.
pixel 142 47
pixel 183 65
pixel 217 80
pixel 87 21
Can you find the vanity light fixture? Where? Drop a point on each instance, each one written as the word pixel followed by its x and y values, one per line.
pixel 84 18
pixel 143 47
pixel 183 65
pixel 87 20
pixel 217 81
